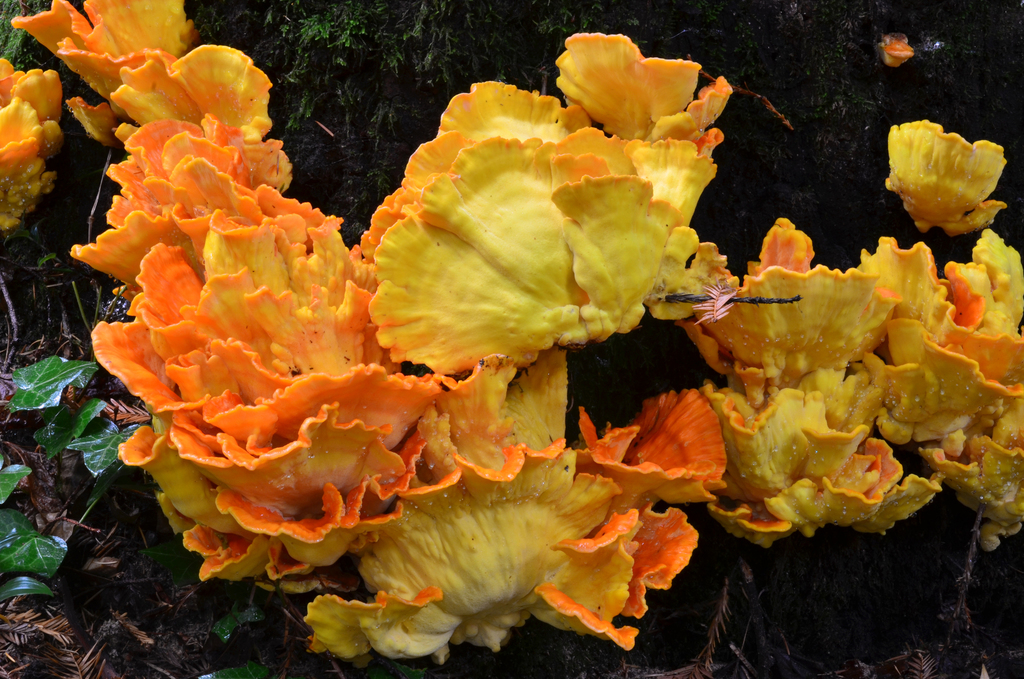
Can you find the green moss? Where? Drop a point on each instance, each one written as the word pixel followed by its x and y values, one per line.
pixel 17 46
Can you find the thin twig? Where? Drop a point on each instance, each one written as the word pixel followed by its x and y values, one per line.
pixel 297 618
pixel 717 300
pixel 964 581
pixel 160 670
pixel 764 652
pixel 10 312
pixel 99 190
pixel 743 659
pixel 323 127
pixel 80 525
pixel 764 100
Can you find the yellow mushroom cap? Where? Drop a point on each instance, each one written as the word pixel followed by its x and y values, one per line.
pixel 840 316
pixel 432 591
pixel 987 468
pixel 789 469
pixel 942 179
pixel 24 143
pixel 497 110
pixel 620 88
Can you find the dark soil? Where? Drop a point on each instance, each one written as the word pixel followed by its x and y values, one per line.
pixel 377 75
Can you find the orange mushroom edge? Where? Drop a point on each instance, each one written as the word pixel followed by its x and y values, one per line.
pixel 894 49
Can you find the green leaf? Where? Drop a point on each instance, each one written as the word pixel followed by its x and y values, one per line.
pixel 99 445
pixel 24 549
pixel 86 414
pixel 58 432
pixel 9 477
pixel 23 586
pixel 183 564
pixel 377 672
pixel 41 385
pixel 227 625
pixel 46 258
pixel 250 671
pixel 408 671
pixel 104 480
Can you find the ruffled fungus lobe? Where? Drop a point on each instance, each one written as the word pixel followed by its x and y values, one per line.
pixel 894 49
pixel 952 372
pixel 553 231
pixel 987 468
pixel 942 179
pixel 954 352
pixel 138 59
pixel 29 133
pixel 210 80
pixel 116 35
pixel 497 110
pixel 635 97
pixel 483 550
pixel 804 460
pixel 538 248
pixel 280 428
pixel 180 179
pixel 673 451
pixel 840 317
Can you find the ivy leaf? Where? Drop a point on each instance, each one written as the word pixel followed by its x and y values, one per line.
pixel 23 586
pixel 9 477
pixel 57 433
pixel 41 385
pixel 227 625
pixel 252 670
pixel 403 672
pixel 99 445
pixel 86 414
pixel 24 549
pixel 183 564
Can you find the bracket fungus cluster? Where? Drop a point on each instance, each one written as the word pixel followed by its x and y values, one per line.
pixel 953 372
pixel 139 60
pixel 30 109
pixel 544 230
pixel 798 418
pixel 286 436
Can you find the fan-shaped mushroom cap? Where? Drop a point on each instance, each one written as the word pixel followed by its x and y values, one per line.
pixel 840 317
pixel 789 470
pixel 673 451
pixel 699 115
pixel 954 351
pixel 506 285
pixel 210 80
pixel 540 248
pixel 180 179
pixel 497 110
pixel 113 28
pixel 940 177
pixel 543 564
pixel 620 88
pixel 930 391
